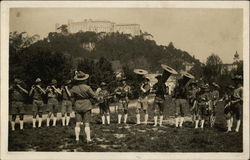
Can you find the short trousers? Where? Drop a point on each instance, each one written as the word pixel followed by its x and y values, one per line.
pixel 122 105
pixel 83 116
pixel 104 108
pixel 180 105
pixel 17 108
pixel 142 103
pixel 202 112
pixel 158 105
pixel 37 106
pixel 52 105
pixel 66 106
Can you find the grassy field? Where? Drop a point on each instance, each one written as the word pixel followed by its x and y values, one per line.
pixel 130 137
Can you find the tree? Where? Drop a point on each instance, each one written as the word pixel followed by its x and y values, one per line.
pixel 63 29
pixel 212 69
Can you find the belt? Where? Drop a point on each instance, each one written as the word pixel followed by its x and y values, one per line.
pixel 82 99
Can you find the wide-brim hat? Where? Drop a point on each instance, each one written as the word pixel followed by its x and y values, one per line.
pixel 230 87
pixel 67 82
pixel 205 87
pixel 140 71
pixel 168 69
pixel 80 76
pixel 186 74
pixel 103 84
pixel 17 81
pixel 215 85
pixel 193 83
pixel 38 80
pixel 53 82
pixel 237 77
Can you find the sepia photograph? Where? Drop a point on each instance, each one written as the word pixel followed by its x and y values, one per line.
pixel 155 78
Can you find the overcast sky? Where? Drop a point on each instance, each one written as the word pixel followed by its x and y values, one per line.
pixel 197 31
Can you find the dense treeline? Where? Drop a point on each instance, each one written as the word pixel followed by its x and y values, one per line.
pixel 60 53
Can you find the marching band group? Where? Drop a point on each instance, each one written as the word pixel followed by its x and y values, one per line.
pixel 202 99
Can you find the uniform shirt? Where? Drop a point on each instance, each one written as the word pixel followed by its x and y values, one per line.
pixel 192 93
pixel 16 94
pixel 122 91
pixel 180 92
pixel 147 87
pixel 103 94
pixel 238 93
pixel 65 95
pixel 215 95
pixel 82 91
pixel 51 92
pixel 37 94
pixel 160 90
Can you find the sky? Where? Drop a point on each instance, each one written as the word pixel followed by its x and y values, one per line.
pixel 200 32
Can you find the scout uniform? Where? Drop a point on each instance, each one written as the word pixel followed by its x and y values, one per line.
pixel 180 103
pixel 122 93
pixel 36 93
pixel 82 94
pixel 66 103
pixel 214 99
pixel 160 92
pixel 53 103
pixel 192 99
pixel 17 98
pixel 143 101
pixel 103 96
pixel 201 110
pixel 228 110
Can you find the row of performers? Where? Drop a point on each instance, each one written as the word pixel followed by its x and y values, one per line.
pixel 82 95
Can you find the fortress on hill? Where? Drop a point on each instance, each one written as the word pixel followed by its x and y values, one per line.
pixel 102 26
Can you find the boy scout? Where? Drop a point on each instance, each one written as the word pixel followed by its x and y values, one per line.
pixel 82 94
pixel 66 103
pixel 53 105
pixel 161 92
pixel 143 101
pixel 103 98
pixel 122 93
pixel 36 93
pixel 17 96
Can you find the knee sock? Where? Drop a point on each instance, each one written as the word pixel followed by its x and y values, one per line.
pixel 161 119
pixel 202 123
pixel 228 125
pixel 87 132
pixel 181 121
pixel 196 123
pixel 63 121
pixel 146 119
pixel 67 120
pixel 125 118
pixel 138 119
pixel 119 118
pixel 13 125
pixel 103 119
pixel 108 119
pixel 48 120
pixel 77 132
pixel 34 123
pixel 177 122
pixel 21 124
pixel 231 121
pixel 238 126
pixel 155 120
pixel 54 121
pixel 39 122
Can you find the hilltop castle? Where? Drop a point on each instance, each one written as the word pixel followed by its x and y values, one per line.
pixel 102 26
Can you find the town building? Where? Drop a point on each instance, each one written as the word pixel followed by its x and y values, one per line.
pixel 100 26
